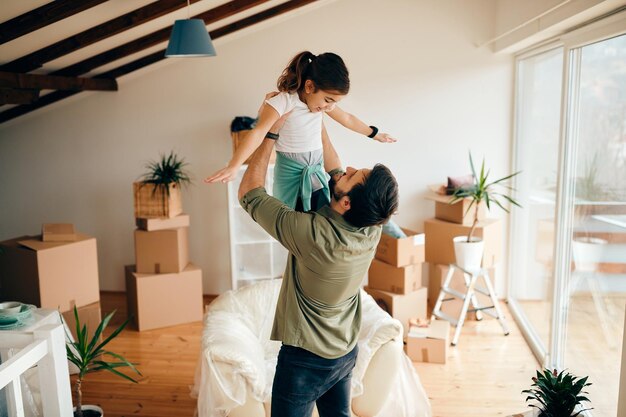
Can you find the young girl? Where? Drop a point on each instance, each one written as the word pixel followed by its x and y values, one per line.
pixel 310 86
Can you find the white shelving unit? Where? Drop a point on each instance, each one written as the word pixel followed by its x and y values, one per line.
pixel 254 254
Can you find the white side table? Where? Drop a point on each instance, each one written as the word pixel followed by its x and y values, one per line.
pixel 41 342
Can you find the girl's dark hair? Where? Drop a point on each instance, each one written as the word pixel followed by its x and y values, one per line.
pixel 327 71
pixel 374 201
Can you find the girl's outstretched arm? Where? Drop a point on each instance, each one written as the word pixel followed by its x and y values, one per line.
pixel 267 117
pixel 353 123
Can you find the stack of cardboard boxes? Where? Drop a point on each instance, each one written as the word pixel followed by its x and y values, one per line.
pixel 56 270
pixel 395 277
pixel 163 288
pixel 453 220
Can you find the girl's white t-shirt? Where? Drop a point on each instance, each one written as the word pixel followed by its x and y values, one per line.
pixel 302 131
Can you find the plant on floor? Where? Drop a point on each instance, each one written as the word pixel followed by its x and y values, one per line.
pixel 558 394
pixel 481 190
pixel 88 353
pixel 166 171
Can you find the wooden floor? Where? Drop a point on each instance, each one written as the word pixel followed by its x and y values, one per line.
pixel 484 375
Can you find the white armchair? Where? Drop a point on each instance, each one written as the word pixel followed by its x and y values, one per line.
pixel 237 362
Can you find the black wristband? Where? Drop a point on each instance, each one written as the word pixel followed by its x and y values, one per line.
pixel 270 135
pixel 374 132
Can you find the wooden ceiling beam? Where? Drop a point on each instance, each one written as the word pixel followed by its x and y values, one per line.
pixel 114 26
pixel 43 16
pixel 54 82
pixel 155 57
pixel 215 34
pixel 210 16
pixel 11 96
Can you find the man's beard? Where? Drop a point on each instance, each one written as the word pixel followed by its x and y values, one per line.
pixel 336 195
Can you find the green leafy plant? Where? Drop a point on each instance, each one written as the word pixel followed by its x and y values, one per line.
pixel 168 170
pixel 88 355
pixel 558 394
pixel 482 190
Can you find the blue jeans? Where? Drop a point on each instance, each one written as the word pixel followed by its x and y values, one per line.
pixel 303 379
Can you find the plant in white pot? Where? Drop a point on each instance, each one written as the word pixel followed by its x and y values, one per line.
pixel 88 354
pixel 469 249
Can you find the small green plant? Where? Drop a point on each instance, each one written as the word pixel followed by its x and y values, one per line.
pixel 88 355
pixel 168 170
pixel 558 394
pixel 481 190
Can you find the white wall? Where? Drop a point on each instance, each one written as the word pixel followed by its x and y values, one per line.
pixel 415 73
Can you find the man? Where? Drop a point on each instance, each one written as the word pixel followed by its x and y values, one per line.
pixel 318 314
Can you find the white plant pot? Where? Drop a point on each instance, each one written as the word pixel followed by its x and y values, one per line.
pixel 91 408
pixel 469 255
pixel 587 253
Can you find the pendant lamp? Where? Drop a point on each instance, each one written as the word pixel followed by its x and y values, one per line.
pixel 189 38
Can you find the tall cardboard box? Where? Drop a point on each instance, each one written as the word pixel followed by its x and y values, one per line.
pixel 440 248
pixel 161 251
pixel 429 344
pixel 56 275
pixel 457 212
pixel 398 280
pixel 401 252
pixel 401 307
pixel 89 315
pixel 163 300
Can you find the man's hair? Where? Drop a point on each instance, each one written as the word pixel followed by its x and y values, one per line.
pixel 375 200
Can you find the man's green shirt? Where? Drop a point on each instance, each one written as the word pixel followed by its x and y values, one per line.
pixel 319 306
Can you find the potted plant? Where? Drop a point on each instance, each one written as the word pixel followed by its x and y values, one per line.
pixel 557 394
pixel 88 353
pixel 157 194
pixel 469 249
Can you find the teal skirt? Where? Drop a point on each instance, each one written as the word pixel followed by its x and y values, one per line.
pixel 292 180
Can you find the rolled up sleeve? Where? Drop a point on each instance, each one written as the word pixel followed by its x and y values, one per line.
pixel 290 228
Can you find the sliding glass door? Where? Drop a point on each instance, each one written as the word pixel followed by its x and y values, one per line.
pixel 568 244
pixel 538 118
pixel 597 279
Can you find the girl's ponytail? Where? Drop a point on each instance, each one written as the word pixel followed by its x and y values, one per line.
pixel 327 71
pixel 292 79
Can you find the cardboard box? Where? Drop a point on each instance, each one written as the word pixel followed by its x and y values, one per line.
pixel 56 275
pixel 401 252
pixel 398 280
pixel 162 300
pixel 151 201
pixel 429 344
pixel 161 251
pixel 436 277
pixel 162 223
pixel 401 306
pixel 89 315
pixel 58 232
pixel 457 212
pixel 440 248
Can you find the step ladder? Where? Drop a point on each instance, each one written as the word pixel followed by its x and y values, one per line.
pixel 470 279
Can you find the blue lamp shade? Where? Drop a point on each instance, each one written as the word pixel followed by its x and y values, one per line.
pixel 189 39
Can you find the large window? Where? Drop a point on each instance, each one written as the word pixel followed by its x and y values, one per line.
pixel 568 278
